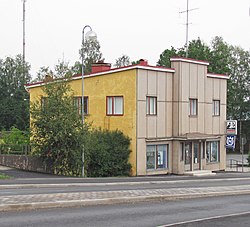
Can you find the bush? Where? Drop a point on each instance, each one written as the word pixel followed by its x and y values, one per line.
pixel 107 154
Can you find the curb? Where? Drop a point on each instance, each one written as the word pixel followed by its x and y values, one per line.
pixel 109 201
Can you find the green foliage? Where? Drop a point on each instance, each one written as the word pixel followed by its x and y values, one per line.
pixel 57 131
pixel 15 136
pixel 122 61
pixel 91 54
pixel 4 176
pixel 107 153
pixel 14 108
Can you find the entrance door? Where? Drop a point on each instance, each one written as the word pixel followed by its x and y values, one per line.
pixel 188 156
pixel 196 156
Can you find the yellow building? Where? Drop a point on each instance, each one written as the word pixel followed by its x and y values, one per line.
pixel 174 116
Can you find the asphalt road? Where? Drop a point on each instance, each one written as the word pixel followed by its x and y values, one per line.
pixel 92 187
pixel 213 211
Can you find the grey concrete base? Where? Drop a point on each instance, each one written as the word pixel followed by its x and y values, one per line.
pixel 200 173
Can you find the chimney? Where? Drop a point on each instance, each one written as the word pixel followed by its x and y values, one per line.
pixel 100 67
pixel 143 62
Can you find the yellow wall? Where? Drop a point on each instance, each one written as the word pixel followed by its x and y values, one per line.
pixel 97 88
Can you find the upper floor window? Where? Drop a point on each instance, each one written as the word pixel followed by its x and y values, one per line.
pixel 193 107
pixel 77 102
pixel 115 105
pixel 216 107
pixel 151 105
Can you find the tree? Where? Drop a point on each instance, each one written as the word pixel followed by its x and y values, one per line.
pixel 107 154
pixel 57 130
pixel 122 61
pixel 14 108
pixel 91 54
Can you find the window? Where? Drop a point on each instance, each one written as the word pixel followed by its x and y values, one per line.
pixel 213 151
pixel 216 107
pixel 77 102
pixel 157 156
pixel 193 107
pixel 115 105
pixel 151 105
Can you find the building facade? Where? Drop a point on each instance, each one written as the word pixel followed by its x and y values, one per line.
pixel 174 116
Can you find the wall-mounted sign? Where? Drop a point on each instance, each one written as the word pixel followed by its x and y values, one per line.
pixel 230 143
pixel 231 127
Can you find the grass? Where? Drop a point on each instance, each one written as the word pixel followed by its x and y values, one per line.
pixel 4 176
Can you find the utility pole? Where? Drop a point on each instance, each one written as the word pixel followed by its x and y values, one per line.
pixel 24 31
pixel 187 24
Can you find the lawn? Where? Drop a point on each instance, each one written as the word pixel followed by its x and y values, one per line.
pixel 4 176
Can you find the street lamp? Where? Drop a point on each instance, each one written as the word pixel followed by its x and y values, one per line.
pixel 90 35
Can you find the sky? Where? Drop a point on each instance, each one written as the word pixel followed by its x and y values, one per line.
pixel 137 28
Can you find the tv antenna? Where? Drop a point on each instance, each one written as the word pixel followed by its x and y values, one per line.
pixel 187 23
pixel 24 1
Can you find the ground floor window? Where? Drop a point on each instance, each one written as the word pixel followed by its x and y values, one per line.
pixel 157 156
pixel 212 151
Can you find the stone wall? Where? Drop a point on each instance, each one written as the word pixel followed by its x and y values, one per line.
pixel 25 162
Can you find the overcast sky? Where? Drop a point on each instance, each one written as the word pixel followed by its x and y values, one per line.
pixel 137 28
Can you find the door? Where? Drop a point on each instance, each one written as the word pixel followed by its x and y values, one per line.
pixel 196 156
pixel 188 156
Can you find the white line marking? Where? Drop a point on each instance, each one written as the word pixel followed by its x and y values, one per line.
pixel 205 219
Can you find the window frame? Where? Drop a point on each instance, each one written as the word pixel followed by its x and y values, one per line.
pixel 156 151
pixel 216 107
pixel 79 107
pixel 209 152
pixel 193 101
pixel 112 107
pixel 148 105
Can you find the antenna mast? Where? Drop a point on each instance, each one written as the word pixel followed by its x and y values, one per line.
pixel 24 31
pixel 187 24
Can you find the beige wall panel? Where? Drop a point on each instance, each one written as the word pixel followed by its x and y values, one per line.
pixel 222 153
pixel 161 80
pixel 193 81
pixel 216 125
pixel 184 122
pixel 161 119
pixel 208 118
pixel 175 119
pixel 169 118
pixel 176 83
pixel 141 116
pixel 151 126
pixel 141 157
pixel 185 87
pixel 216 88
pixel 209 90
pixel 169 87
pixel 223 91
pixel 223 118
pixel 152 83
pixel 142 85
pixel 175 157
pixel 193 124
pixel 201 118
pixel 201 83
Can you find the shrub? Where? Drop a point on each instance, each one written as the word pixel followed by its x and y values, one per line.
pixel 107 153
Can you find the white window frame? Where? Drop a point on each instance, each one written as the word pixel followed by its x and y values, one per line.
pixel 216 108
pixel 193 107
pixel 151 105
pixel 114 106
pixel 211 147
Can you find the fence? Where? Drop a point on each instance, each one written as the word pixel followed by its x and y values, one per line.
pixel 17 149
pixel 237 166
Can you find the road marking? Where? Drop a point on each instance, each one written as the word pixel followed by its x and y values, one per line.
pixel 205 219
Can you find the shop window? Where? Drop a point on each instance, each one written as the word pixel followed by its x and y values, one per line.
pixel 157 157
pixel 77 102
pixel 212 150
pixel 114 105
pixel 151 105
pixel 216 108
pixel 193 107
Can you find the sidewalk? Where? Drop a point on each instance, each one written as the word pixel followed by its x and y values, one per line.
pixel 20 202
